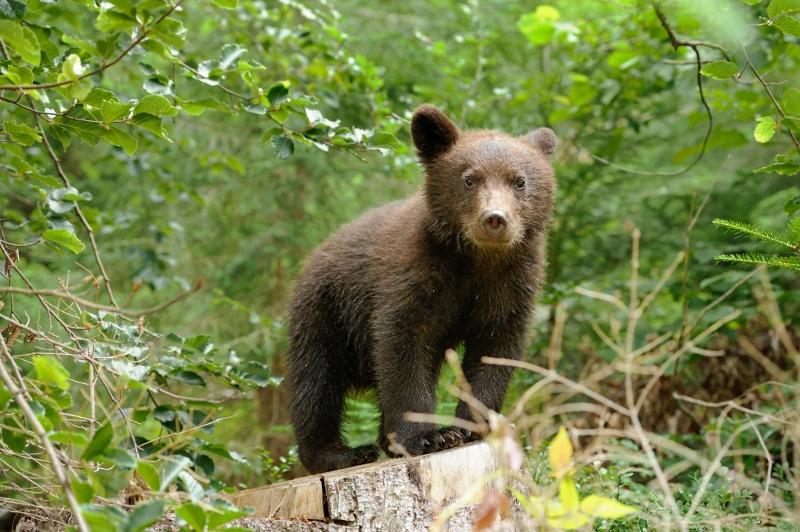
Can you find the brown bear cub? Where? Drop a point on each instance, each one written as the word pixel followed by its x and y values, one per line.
pixel 378 304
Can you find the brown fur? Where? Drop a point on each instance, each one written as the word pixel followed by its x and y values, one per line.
pixel 378 304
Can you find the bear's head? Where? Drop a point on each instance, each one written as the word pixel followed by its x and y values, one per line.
pixel 489 190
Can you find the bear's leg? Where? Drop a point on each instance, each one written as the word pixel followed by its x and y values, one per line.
pixel 318 380
pixel 489 382
pixel 406 380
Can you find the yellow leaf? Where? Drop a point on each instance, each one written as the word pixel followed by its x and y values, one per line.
pixel 568 494
pixel 568 522
pixel 560 452
pixel 605 507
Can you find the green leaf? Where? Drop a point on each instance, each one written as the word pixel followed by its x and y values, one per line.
pixel 538 26
pixel 194 515
pixel 84 491
pixel 171 32
pixel 16 441
pixel 222 513
pixel 604 507
pixel 791 102
pixel 145 514
pixel 119 457
pixel 720 69
pixel 197 107
pixel 230 53
pixel 69 438
pixel 13 9
pixel 227 4
pixel 189 377
pixel 99 442
pixel 157 47
pixel 97 96
pixel 49 370
pixel 793 229
pixel 255 108
pixel 19 75
pixel 782 165
pixel 792 207
pixel 765 129
pixel 117 137
pixel 788 263
pixel 150 123
pixel 155 105
pixel 283 146
pixel 21 133
pixel 85 127
pixel 114 110
pixel 22 40
pixel 782 7
pixel 175 464
pixel 751 2
pixel 114 21
pixel 767 235
pixel 278 93
pixel 5 397
pixel 149 474
pixel 61 134
pixel 64 238
pixel 788 25
pixel 71 69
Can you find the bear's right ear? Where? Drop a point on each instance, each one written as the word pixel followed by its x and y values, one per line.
pixel 433 132
pixel 543 138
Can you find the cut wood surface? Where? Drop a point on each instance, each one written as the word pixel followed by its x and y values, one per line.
pixel 399 494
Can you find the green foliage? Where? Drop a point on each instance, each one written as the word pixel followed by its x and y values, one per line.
pixel 147 144
pixel 791 240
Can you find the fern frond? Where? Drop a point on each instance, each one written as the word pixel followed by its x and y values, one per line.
pixel 764 234
pixel 793 230
pixel 779 261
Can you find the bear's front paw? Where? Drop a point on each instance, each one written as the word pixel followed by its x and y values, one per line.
pixel 439 440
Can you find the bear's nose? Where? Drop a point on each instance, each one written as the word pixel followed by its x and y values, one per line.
pixel 494 221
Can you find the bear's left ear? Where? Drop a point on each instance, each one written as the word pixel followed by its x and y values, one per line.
pixel 433 132
pixel 543 138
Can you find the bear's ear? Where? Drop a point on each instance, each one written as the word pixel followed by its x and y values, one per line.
pixel 543 138
pixel 433 132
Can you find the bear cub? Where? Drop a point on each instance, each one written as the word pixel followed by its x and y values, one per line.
pixel 377 305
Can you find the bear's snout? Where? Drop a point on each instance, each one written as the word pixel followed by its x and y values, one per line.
pixel 494 221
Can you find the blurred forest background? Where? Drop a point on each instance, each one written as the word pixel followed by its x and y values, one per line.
pixel 193 153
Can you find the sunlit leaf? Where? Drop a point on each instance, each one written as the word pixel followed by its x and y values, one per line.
pixel 149 474
pixel 64 238
pixel 568 493
pixel 782 165
pixel 227 4
pixel 719 69
pixel 765 129
pixel 782 7
pixel 21 133
pixel 559 453
pixel 788 25
pixel 50 370
pixel 604 507
pixel 791 102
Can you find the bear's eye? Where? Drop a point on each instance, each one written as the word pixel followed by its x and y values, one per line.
pixel 469 182
pixel 520 183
